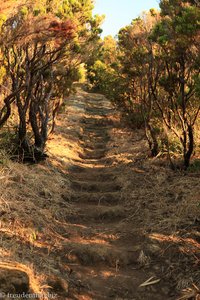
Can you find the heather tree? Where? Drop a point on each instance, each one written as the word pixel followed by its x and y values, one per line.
pixel 42 43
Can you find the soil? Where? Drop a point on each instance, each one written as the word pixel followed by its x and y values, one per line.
pixel 116 231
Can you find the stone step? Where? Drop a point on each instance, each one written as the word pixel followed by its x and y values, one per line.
pixel 93 154
pixel 94 138
pixel 88 146
pixel 95 128
pixel 99 111
pixel 97 122
pixel 102 162
pixel 95 186
pixel 96 214
pixel 94 134
pixel 108 198
pixel 93 254
pixel 13 280
pixel 119 283
pixel 86 174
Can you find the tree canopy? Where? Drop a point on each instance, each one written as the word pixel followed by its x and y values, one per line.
pixel 154 76
pixel 42 45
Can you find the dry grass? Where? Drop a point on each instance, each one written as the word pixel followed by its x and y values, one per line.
pixel 163 205
pixel 31 204
pixel 8 7
pixel 33 208
pixel 167 199
pixel 35 281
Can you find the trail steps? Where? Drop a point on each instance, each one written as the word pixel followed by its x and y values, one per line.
pixel 101 251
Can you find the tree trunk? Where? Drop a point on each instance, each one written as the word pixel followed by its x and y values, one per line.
pixel 152 140
pixel 34 125
pixel 24 147
pixel 190 147
pixel 54 113
pixel 40 134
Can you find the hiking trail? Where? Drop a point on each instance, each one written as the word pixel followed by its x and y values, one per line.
pixel 102 251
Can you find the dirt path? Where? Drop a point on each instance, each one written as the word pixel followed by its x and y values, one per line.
pixel 99 217
pixel 104 255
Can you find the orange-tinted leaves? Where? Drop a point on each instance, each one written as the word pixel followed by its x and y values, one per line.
pixel 63 29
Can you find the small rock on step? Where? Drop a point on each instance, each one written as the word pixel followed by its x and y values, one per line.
pixel 13 281
pixel 58 285
pixel 93 254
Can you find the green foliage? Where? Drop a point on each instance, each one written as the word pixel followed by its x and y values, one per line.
pixel 7 144
pixel 197 85
pixel 3 18
pixel 195 166
pixel 2 73
pixel 81 73
pixel 39 10
pixel 152 73
pixel 102 68
pixel 72 8
pixel 40 59
pixel 24 11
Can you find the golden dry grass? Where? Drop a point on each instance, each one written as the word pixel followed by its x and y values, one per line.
pixel 31 204
pixel 8 7
pixel 163 205
pixel 33 208
pixel 166 198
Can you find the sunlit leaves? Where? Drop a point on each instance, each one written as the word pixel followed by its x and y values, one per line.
pixel 2 19
pixel 42 44
pixel 2 73
pixel 157 72
pixel 24 11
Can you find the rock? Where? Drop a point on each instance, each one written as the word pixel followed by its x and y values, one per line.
pixel 58 285
pixel 13 281
pixel 3 212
